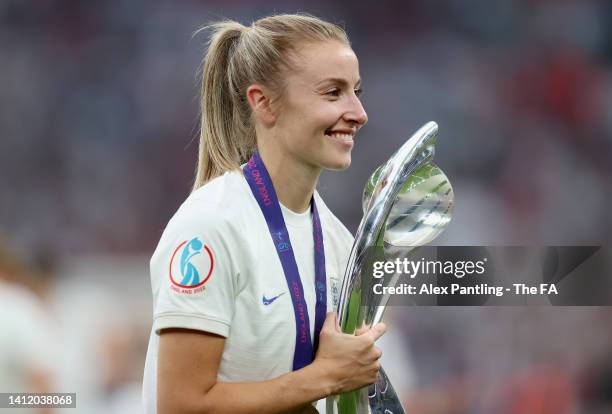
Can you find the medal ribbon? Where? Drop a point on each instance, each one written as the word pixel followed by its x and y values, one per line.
pixel 263 190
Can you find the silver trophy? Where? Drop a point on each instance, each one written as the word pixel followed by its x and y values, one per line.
pixel 407 203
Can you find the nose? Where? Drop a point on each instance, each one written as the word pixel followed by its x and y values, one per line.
pixel 355 113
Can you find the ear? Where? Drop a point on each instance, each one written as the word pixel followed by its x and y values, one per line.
pixel 260 98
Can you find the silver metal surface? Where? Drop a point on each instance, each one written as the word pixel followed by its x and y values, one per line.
pixel 407 203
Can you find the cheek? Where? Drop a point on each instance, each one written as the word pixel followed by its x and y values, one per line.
pixel 325 116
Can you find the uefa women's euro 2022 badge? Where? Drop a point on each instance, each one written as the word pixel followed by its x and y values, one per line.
pixel 191 265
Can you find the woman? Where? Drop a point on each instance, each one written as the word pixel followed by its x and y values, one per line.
pixel 240 306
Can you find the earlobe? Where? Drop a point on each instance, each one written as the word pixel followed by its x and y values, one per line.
pixel 259 100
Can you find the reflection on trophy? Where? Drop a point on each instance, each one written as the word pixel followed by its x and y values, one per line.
pixel 407 203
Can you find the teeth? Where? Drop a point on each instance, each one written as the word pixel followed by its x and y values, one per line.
pixel 344 137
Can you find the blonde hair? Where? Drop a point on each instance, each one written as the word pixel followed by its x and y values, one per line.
pixel 237 57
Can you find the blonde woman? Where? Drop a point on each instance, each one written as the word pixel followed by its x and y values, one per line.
pixel 247 271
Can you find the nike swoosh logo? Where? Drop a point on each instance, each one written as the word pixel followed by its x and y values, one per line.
pixel 267 301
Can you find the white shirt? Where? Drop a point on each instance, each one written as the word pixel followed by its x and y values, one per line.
pixel 240 291
pixel 26 341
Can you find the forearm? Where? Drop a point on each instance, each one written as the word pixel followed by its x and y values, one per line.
pixel 279 395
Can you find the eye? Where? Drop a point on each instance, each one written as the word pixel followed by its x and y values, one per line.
pixel 358 92
pixel 334 92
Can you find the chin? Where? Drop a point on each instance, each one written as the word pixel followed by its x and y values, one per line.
pixel 338 164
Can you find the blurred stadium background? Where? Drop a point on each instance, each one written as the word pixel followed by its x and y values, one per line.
pixel 98 126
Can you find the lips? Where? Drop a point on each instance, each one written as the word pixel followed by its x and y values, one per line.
pixel 345 136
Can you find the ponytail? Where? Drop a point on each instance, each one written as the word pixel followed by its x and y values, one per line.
pixel 237 57
pixel 218 138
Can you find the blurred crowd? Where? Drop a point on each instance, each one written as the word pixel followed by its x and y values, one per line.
pixel 98 143
pixel 99 113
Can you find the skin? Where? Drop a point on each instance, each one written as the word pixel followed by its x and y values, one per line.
pixel 291 136
pixel 294 146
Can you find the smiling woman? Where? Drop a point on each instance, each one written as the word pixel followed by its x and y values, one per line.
pixel 321 111
pixel 242 321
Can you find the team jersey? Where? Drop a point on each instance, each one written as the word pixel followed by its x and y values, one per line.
pixel 216 270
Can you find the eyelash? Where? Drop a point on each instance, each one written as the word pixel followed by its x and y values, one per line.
pixel 336 92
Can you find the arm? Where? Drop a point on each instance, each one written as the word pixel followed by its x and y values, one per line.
pixel 189 360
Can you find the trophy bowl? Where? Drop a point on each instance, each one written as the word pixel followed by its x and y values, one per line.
pixel 421 210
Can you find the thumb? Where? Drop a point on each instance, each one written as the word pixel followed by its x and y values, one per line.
pixel 331 322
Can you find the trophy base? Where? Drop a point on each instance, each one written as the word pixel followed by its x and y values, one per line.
pixel 378 398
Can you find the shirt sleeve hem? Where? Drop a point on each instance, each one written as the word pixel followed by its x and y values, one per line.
pixel 189 321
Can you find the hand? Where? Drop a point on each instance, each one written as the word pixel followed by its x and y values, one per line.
pixel 350 361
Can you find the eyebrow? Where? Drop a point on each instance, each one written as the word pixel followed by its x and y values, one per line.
pixel 339 81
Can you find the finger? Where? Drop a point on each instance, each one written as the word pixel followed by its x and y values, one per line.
pixel 337 323
pixel 374 368
pixel 360 331
pixel 377 331
pixel 374 355
pixel 330 322
pixel 377 353
pixel 363 329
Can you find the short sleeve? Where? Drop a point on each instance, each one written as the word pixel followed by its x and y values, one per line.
pixel 193 274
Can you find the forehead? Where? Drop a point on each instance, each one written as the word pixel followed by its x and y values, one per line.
pixel 317 62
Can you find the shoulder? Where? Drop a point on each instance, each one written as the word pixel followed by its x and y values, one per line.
pixel 220 190
pixel 214 214
pixel 221 193
pixel 214 205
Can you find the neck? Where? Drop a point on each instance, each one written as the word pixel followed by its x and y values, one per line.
pixel 294 181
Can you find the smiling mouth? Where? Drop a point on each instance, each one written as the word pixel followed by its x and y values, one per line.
pixel 340 136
